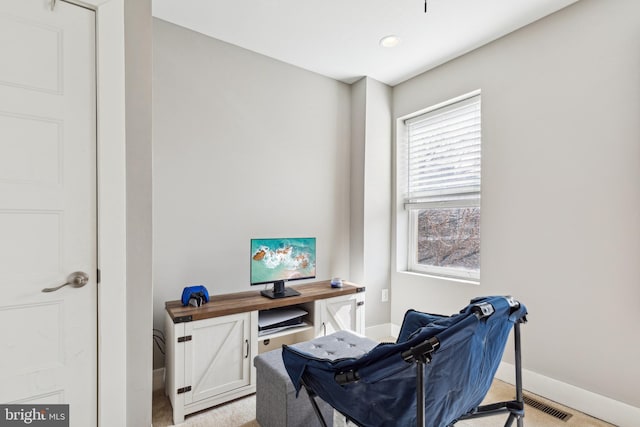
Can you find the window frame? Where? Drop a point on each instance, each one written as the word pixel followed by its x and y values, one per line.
pixel 412 209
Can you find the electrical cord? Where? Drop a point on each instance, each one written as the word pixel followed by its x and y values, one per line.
pixel 159 340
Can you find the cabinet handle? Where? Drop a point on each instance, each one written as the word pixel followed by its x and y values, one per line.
pixel 324 327
pixel 247 354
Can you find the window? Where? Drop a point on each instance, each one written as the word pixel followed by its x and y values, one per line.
pixel 442 199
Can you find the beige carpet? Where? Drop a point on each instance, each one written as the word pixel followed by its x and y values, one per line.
pixel 242 413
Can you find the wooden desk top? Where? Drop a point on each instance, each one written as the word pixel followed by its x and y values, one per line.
pixel 241 302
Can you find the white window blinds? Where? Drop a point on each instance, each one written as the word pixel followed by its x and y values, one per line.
pixel 444 154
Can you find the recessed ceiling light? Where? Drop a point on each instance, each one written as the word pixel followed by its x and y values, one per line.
pixel 389 41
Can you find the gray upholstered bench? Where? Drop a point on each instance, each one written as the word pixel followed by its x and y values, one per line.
pixel 276 403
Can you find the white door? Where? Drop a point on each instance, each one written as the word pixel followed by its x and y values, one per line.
pixel 48 228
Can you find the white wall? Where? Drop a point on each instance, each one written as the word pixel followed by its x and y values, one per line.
pixel 356 180
pixel 560 190
pixel 112 212
pixel 244 146
pixel 139 296
pixel 370 225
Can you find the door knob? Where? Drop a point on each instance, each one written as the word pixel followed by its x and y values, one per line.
pixel 75 280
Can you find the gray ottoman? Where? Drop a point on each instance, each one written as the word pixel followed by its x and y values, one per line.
pixel 276 403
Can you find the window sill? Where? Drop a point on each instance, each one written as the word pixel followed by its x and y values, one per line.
pixel 435 276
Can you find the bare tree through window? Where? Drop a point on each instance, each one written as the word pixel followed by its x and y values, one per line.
pixel 449 237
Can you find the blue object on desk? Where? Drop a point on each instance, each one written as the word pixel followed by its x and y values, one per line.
pixel 336 282
pixel 195 295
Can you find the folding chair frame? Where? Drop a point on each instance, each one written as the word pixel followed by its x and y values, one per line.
pixel 421 355
pixel 515 408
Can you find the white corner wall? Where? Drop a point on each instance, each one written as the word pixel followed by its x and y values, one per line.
pixel 111 137
pixel 377 201
pixel 560 191
pixel 244 146
pixel 139 297
pixel 356 179
pixel 370 226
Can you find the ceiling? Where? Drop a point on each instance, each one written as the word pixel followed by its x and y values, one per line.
pixel 340 38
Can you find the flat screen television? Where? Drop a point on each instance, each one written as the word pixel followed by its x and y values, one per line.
pixel 280 260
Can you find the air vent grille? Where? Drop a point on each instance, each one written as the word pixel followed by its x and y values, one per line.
pixel 550 410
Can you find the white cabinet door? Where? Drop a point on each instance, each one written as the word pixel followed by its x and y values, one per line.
pixel 218 356
pixel 340 313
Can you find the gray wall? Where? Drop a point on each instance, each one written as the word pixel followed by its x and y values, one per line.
pixel 138 41
pixel 377 201
pixel 356 179
pixel 371 194
pixel 560 191
pixel 244 146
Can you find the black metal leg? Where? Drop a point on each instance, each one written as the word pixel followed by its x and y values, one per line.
pixel 314 404
pixel 518 357
pixel 509 422
pixel 420 393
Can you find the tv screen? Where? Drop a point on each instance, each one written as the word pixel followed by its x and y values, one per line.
pixel 282 259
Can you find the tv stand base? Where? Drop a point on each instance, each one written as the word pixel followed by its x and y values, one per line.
pixel 288 292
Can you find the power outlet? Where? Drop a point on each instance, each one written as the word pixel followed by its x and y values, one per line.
pixel 385 295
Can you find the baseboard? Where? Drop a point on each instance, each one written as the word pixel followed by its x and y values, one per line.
pixel 593 404
pixel 158 379
pixel 380 332
pixel 395 330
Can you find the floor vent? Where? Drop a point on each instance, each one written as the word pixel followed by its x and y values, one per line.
pixel 550 410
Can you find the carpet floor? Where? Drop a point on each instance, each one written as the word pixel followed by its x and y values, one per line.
pixel 242 413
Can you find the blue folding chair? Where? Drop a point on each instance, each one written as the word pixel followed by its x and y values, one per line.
pixel 436 374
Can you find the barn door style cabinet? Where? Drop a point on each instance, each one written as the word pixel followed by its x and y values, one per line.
pixel 210 349
pixel 338 314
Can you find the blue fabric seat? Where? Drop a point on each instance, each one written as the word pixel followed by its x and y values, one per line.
pixel 436 373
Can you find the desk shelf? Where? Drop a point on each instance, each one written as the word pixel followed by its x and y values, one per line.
pixel 286 332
